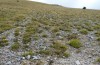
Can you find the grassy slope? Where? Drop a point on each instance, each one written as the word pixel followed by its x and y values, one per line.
pixel 50 18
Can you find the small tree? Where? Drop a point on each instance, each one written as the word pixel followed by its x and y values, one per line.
pixel 84 7
pixel 17 0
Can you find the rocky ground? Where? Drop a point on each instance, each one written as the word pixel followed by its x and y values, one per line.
pixel 42 27
pixel 86 55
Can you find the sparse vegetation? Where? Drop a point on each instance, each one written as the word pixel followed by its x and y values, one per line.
pixel 3 41
pixel 66 54
pixel 15 46
pixel 17 32
pixel 84 31
pixel 98 39
pixel 28 53
pixel 98 60
pixel 45 52
pixel 47 29
pixel 72 36
pixel 75 43
pixel 97 33
pixel 58 48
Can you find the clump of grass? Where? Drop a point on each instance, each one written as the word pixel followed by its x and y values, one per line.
pixel 28 53
pixel 16 32
pixel 25 46
pixel 15 46
pixel 97 33
pixel 84 31
pixel 75 43
pixel 72 36
pixel 55 29
pixel 26 38
pixel 45 35
pixel 66 54
pixel 3 42
pixel 97 27
pixel 5 26
pixel 40 62
pixel 98 39
pixel 45 52
pixel 19 17
pixel 58 48
pixel 98 60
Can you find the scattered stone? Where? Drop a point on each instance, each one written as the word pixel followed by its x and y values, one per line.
pixel 50 62
pixel 29 57
pixel 23 58
pixel 36 57
pixel 90 56
pixel 60 37
pixel 77 62
pixel 8 63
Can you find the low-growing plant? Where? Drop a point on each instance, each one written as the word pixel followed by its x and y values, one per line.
pixel 98 60
pixel 72 36
pixel 45 52
pixel 66 54
pixel 26 38
pixel 3 42
pixel 97 33
pixel 75 43
pixel 55 29
pixel 59 46
pixel 98 39
pixel 28 53
pixel 45 35
pixel 84 31
pixel 15 46
pixel 16 32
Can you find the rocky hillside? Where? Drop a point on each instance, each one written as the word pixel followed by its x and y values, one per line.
pixel 33 33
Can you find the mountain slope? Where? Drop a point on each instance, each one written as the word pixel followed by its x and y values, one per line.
pixel 33 33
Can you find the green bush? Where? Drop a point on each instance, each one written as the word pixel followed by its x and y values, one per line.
pixel 98 39
pixel 75 43
pixel 98 60
pixel 3 42
pixel 26 38
pixel 55 29
pixel 16 32
pixel 45 35
pixel 15 46
pixel 66 54
pixel 46 52
pixel 72 36
pixel 28 53
pixel 97 33
pixel 59 46
pixel 84 31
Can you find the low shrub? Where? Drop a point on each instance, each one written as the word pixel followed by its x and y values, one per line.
pixel 45 52
pixel 75 43
pixel 28 53
pixel 84 31
pixel 98 60
pixel 3 42
pixel 66 54
pixel 15 46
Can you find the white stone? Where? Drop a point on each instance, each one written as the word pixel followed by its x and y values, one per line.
pixel 77 62
pixel 23 58
pixel 28 57
pixel 8 63
pixel 36 57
